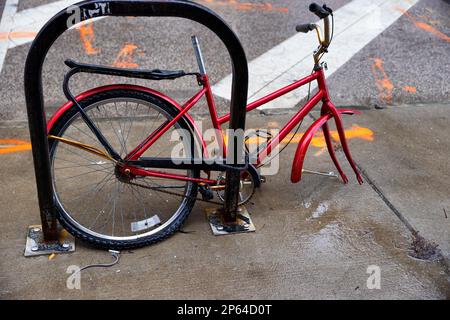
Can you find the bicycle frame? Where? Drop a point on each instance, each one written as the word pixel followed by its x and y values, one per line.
pixel 217 121
pixel 134 164
pixel 328 111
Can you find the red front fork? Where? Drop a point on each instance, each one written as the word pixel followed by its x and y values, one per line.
pixel 328 111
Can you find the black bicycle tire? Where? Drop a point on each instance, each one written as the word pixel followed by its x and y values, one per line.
pixel 123 244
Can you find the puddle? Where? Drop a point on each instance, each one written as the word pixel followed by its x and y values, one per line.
pixel 306 204
pixel 328 238
pixel 322 208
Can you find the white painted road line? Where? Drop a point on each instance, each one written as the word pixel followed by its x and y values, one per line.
pixel 17 28
pixel 6 24
pixel 357 23
pixel 30 21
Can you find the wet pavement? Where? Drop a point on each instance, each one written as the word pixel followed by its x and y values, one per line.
pixel 318 239
pixel 314 240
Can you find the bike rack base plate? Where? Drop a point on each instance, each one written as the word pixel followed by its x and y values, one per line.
pixel 243 222
pixel 35 245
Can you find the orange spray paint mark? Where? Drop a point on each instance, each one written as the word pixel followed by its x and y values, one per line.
pixel 87 37
pixel 425 26
pixel 17 35
pixel 246 6
pixel 12 145
pixel 125 57
pixel 410 89
pixel 382 81
pixel 355 132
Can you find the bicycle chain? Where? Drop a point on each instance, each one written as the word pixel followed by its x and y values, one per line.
pixel 174 193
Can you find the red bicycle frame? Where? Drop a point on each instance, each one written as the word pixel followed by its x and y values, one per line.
pixel 328 111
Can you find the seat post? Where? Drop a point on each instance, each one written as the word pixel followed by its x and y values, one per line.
pixel 198 55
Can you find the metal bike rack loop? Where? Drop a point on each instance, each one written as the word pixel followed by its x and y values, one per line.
pixel 144 8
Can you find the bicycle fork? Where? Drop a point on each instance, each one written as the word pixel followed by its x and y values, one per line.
pixel 328 111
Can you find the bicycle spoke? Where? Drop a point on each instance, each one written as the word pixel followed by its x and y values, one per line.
pixel 101 212
pixel 78 166
pixel 89 136
pixel 96 190
pixel 94 194
pixel 129 128
pixel 84 173
pixel 95 163
pixel 77 154
pixel 106 179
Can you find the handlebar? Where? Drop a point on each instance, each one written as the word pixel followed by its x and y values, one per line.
pixel 323 12
pixel 305 28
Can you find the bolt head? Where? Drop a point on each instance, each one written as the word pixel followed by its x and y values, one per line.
pixel 65 245
pixel 34 248
pixel 36 229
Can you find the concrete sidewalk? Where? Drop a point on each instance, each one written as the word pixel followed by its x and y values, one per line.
pixel 314 240
pixel 411 166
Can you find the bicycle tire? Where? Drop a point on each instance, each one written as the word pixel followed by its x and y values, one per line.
pixel 62 124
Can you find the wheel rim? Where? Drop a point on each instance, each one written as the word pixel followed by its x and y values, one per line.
pixel 95 200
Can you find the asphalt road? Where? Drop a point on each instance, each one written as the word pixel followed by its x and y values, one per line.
pixel 315 239
pixel 408 63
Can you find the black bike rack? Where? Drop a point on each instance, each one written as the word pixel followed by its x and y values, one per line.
pixel 144 8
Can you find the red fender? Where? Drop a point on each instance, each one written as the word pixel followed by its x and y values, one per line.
pixel 91 92
pixel 300 153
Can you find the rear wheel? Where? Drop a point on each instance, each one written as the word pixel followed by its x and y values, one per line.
pixel 95 201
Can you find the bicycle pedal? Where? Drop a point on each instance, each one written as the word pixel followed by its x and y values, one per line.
pixel 206 193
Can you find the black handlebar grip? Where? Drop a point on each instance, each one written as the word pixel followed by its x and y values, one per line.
pixel 318 10
pixel 305 28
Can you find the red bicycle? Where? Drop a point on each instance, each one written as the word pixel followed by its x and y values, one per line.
pixel 116 181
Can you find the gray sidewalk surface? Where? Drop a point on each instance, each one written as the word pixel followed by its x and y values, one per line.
pixel 314 240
